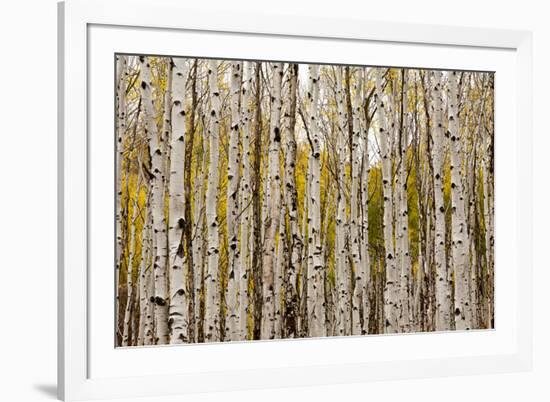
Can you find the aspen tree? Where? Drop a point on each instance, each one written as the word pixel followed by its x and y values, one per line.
pixel 122 83
pixel 429 199
pixel 306 301
pixel 342 268
pixel 459 233
pixel 364 189
pixel 198 244
pixel 280 262
pixel 165 133
pixel 211 280
pixel 127 334
pixel 476 140
pixel 295 238
pixel 273 201
pixel 315 267
pixel 246 218
pixel 256 204
pixel 299 254
pixel 177 265
pixel 192 273
pixel 488 203
pixel 233 264
pixel 394 122
pixel 442 288
pixel 474 274
pixel 329 288
pixel 359 263
pixel 403 213
pixel 487 219
pixel 146 289
pixel 391 288
pixel 157 205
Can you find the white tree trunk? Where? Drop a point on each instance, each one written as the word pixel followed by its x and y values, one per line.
pixel 315 270
pixel 488 212
pixel 356 239
pixel 403 217
pixel 233 265
pixel 342 268
pixel 177 265
pixel 489 201
pixel 306 300
pixel 165 133
pixel 199 245
pixel 280 262
pixel 459 231
pixel 199 241
pixel 470 186
pixel 295 240
pixel 132 255
pixel 273 202
pixel 246 217
pixel 157 205
pixel 391 288
pixel 212 299
pixel 122 83
pixel 365 257
pixel 442 288
pixel 146 284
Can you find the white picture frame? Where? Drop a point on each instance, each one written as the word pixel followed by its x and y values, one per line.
pixel 90 367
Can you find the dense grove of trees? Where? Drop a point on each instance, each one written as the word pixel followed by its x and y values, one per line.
pixel 266 200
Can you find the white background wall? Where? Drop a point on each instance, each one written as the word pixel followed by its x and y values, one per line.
pixel 28 199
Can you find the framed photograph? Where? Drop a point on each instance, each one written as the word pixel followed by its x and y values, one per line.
pixel 254 201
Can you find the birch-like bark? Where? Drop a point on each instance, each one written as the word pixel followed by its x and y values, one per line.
pixel 165 134
pixel 459 232
pixel 280 262
pixel 359 265
pixel 442 288
pixel 394 106
pixel 472 221
pixel 211 280
pixel 307 262
pixel 177 265
pixel 391 288
pixel 157 205
pixel 146 289
pixel 273 202
pixel 142 290
pixel 403 217
pixel 300 267
pixel 199 243
pixel 295 242
pixel 232 211
pixel 246 217
pixel 365 171
pixel 469 186
pixel 343 326
pixel 315 269
pixel 487 218
pixel 132 256
pixel 420 290
pixel 489 210
pixel 329 288
pixel 429 202
pixel 188 214
pixel 257 208
pixel 122 84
